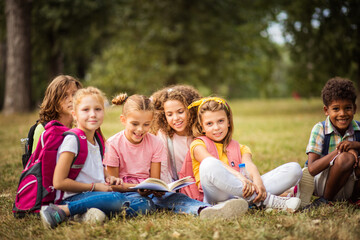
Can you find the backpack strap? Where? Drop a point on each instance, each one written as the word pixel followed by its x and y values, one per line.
pixel 357 133
pixel 233 151
pixel 80 158
pixel 101 143
pixel 234 154
pixel 170 147
pixel 326 144
pixel 210 146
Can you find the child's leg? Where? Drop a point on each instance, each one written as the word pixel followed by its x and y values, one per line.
pixel 338 175
pixel 282 178
pixel 179 203
pixel 108 202
pixel 139 204
pixel 218 183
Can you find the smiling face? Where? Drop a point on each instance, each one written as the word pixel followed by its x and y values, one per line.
pixel 215 124
pixel 89 114
pixel 137 124
pixel 341 113
pixel 177 116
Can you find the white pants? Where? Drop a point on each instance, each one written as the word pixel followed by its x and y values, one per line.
pixel 220 185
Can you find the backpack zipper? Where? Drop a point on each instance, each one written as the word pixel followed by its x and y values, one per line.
pixel 31 182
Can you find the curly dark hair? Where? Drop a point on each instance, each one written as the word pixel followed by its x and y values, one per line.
pixel 183 93
pixel 338 88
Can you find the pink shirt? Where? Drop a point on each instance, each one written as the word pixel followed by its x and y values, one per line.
pixel 133 160
pixel 181 146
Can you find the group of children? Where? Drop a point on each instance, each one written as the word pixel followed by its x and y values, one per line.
pixel 177 133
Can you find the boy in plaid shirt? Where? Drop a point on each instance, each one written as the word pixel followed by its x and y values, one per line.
pixel 333 160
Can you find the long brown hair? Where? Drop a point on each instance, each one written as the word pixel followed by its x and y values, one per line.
pixel 50 107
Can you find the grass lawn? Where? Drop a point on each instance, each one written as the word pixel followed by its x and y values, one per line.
pixel 277 132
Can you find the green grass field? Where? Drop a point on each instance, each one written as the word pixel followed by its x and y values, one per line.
pixel 277 131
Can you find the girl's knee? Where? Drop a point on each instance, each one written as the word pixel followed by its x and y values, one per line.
pixel 209 164
pixel 294 171
pixel 120 200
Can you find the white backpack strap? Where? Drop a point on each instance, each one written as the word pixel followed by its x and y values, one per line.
pixel 172 158
pixel 42 139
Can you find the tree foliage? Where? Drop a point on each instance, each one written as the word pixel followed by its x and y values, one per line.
pixel 216 46
pixel 324 41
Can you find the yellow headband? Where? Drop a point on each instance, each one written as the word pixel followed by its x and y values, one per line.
pixel 204 100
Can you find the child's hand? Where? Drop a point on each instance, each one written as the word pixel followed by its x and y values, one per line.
pixel 248 187
pixel 102 187
pixel 261 192
pixel 147 192
pixel 113 180
pixel 355 154
pixel 345 146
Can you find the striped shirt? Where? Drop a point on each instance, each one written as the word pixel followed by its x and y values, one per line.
pixel 317 136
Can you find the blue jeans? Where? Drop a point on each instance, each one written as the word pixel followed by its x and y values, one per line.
pixel 110 203
pixel 178 203
pixel 139 204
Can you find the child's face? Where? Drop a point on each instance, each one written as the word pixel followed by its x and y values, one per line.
pixel 66 103
pixel 215 125
pixel 177 116
pixel 137 124
pixel 89 114
pixel 341 113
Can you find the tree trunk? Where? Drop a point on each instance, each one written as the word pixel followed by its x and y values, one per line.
pixel 18 59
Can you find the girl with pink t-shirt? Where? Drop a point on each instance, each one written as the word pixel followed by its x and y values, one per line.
pixel 173 122
pixel 134 155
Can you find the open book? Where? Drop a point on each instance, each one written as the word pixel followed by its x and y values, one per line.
pixel 159 185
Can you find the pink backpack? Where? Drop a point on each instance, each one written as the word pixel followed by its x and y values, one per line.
pixel 234 157
pixel 35 187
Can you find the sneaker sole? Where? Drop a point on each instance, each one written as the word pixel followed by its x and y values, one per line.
pixel 231 209
pixel 93 215
pixel 306 187
pixel 45 223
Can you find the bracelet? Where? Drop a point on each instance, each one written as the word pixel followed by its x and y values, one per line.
pixel 92 187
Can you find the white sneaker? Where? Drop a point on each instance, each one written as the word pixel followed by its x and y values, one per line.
pixel 225 210
pixel 283 203
pixel 93 215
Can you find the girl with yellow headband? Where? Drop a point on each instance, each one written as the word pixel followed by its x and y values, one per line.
pixel 172 123
pixel 216 156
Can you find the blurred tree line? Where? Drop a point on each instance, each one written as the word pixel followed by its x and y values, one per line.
pixel 220 47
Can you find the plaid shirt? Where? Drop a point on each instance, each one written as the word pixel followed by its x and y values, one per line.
pixel 317 136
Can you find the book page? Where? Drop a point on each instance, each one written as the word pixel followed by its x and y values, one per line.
pixel 175 185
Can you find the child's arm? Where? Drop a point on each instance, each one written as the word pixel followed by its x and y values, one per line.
pixel 155 170
pixel 317 164
pixel 255 175
pixel 200 153
pixel 62 182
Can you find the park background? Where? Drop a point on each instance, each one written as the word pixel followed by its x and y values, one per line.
pixel 227 47
pixel 230 48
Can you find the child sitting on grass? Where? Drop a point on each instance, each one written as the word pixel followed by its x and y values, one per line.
pixel 333 147
pixel 57 104
pixel 216 156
